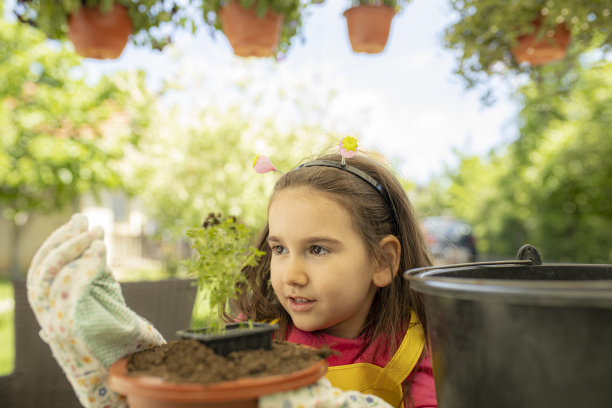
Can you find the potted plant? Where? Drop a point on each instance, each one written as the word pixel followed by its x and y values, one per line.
pixel 486 32
pixel 542 46
pixel 369 22
pixel 261 28
pixel 101 28
pixel 222 251
pixel 207 373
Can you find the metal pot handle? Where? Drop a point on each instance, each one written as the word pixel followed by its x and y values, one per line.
pixel 529 252
pixel 527 255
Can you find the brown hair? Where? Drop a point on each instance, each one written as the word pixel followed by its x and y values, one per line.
pixel 376 214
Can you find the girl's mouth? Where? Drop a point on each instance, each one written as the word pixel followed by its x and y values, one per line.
pixel 300 304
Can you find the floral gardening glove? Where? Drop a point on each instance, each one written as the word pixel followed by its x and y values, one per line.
pixel 81 311
pixel 321 395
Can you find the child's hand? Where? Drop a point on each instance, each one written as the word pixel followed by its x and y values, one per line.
pixel 321 395
pixel 81 310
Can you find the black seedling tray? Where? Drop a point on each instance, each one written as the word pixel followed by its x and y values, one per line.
pixel 237 337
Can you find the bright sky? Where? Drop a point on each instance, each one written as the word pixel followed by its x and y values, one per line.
pixel 404 102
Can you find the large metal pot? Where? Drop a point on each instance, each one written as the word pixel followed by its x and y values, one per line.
pixel 519 333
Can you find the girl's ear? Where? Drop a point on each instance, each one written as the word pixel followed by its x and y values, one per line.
pixel 386 268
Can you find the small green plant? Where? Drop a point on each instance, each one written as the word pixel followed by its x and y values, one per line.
pixel 222 247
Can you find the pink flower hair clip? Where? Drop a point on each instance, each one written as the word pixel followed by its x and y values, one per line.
pixel 348 148
pixel 263 164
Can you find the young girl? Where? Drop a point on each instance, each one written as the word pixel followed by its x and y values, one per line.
pixel 338 237
pixel 337 240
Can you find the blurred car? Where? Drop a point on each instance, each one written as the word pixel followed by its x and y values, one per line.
pixel 449 239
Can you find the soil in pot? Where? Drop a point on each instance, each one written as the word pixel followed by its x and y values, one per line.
pixel 187 374
pixel 190 361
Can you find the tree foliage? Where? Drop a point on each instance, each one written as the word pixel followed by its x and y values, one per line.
pixel 485 30
pixel 552 187
pixel 61 137
pixel 209 128
pixel 187 170
pixel 569 171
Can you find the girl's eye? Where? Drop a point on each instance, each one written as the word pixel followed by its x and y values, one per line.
pixel 278 250
pixel 317 250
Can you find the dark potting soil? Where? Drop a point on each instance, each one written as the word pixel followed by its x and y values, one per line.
pixel 191 361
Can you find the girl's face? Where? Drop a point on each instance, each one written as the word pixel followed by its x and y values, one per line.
pixel 320 269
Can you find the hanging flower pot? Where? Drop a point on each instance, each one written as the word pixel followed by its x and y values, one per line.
pixel 541 51
pixel 249 34
pixel 100 35
pixel 287 366
pixel 368 27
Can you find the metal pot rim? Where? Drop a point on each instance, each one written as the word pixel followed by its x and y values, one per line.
pixel 591 293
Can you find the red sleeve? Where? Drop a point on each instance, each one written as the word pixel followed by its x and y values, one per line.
pixel 421 383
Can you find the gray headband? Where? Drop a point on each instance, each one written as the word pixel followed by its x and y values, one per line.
pixel 351 169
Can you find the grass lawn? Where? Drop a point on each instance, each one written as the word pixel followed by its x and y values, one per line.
pixel 7 334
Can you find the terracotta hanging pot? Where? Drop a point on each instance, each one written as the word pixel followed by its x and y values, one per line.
pixel 551 47
pixel 100 35
pixel 368 27
pixel 248 34
pixel 154 392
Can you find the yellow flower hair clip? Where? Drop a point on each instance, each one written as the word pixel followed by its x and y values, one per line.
pixel 348 148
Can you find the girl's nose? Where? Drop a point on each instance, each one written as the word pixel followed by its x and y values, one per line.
pixel 295 273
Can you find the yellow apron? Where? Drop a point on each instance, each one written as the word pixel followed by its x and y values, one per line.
pixel 386 382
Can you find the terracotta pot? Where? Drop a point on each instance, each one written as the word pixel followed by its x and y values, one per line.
pixel 248 34
pixel 98 35
pixel 153 392
pixel 368 27
pixel 551 47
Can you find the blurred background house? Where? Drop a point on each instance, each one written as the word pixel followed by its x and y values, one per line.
pixel 128 235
